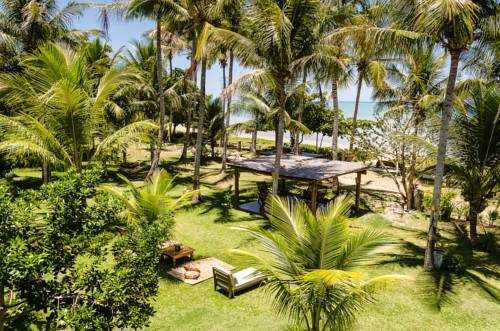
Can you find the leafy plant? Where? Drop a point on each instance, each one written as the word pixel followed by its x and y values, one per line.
pixel 447 204
pixel 69 260
pixel 312 262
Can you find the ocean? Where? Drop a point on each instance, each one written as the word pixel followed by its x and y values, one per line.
pixel 366 111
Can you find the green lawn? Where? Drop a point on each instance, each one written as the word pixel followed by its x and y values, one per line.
pixel 209 228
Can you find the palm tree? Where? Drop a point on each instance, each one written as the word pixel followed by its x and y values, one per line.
pixel 255 104
pixel 312 263
pixel 151 202
pixel 276 36
pixel 453 24
pixel 188 18
pixel 368 57
pixel 475 146
pixel 26 24
pixel 215 121
pixel 26 137
pixel 156 10
pixel 62 107
pixel 229 13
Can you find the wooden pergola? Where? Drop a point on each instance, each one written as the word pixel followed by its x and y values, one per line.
pixel 309 169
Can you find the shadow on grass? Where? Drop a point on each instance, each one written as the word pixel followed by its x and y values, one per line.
pixel 460 266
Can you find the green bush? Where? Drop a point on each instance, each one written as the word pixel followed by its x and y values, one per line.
pixel 446 206
pixel 454 263
pixel 67 250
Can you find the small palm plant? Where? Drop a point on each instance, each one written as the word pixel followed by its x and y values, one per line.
pixel 312 263
pixel 153 201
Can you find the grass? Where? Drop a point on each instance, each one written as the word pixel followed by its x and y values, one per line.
pixel 209 227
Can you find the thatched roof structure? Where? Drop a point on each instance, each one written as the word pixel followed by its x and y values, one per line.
pixel 300 167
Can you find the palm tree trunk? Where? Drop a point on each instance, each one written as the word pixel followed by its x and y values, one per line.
pixel 228 113
pixel 187 136
pixel 224 128
pixel 161 97
pixel 199 133
pixel 317 138
pixel 320 91
pixel 170 115
pixel 296 132
pixel 412 174
pixel 472 219
pixel 253 145
pixel 45 172
pixel 441 153
pixel 279 139
pixel 170 66
pixel 335 124
pixel 355 115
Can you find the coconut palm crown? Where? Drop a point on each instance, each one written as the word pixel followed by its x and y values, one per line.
pixel 312 263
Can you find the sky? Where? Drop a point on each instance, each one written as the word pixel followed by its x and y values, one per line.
pixel 121 33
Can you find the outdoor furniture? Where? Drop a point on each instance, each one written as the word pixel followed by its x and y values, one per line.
pixel 177 251
pixel 233 282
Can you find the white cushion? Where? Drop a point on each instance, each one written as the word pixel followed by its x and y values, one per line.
pixel 244 275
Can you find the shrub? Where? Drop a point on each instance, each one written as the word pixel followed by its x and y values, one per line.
pixel 67 249
pixel 446 206
pixel 454 263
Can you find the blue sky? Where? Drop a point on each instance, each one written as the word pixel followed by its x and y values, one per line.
pixel 121 33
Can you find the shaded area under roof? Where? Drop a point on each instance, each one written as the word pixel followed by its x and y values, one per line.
pixel 300 166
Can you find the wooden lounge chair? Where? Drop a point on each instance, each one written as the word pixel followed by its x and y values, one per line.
pixel 233 282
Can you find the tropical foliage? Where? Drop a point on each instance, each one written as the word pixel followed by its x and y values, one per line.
pixel 65 258
pixel 313 263
pixel 63 111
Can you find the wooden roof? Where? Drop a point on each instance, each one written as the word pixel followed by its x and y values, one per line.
pixel 300 166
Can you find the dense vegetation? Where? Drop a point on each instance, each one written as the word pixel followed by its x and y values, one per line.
pixel 79 254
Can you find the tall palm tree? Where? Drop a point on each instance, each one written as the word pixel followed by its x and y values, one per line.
pixel 312 263
pixel 229 13
pixel 172 44
pixel 26 24
pixel 368 56
pixel 475 147
pixel 189 17
pixel 62 107
pixel 453 24
pixel 277 36
pixel 156 10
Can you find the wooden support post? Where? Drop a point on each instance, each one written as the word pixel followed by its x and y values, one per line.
pixel 358 191
pixel 236 187
pixel 314 197
pixel 239 146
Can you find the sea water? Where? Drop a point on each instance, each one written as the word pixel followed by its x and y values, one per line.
pixel 366 111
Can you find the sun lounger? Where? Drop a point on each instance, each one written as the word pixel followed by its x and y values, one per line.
pixel 233 282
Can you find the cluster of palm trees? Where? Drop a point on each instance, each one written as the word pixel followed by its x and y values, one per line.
pixel 98 103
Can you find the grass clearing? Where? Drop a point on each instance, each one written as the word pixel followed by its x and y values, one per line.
pixel 209 227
